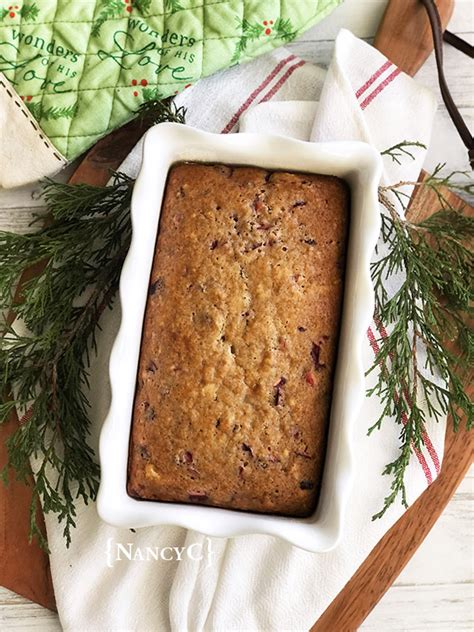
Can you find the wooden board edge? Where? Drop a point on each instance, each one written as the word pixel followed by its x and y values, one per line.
pixel 389 557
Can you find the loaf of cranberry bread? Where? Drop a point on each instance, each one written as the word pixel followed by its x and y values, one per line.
pixel 239 339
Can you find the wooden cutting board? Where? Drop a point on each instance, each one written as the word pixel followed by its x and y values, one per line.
pixel 24 568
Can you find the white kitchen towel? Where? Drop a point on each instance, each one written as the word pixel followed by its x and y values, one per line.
pixel 256 582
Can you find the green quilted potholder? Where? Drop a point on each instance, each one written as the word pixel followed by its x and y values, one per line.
pixel 83 67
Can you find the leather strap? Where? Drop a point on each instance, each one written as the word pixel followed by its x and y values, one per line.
pixel 460 44
pixel 453 111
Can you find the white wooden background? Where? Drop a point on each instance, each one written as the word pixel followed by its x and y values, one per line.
pixel 436 590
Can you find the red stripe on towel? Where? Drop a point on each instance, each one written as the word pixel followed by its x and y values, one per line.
pixel 373 78
pixel 380 88
pixel 26 417
pixel 282 80
pixel 418 453
pixel 255 93
pixel 426 439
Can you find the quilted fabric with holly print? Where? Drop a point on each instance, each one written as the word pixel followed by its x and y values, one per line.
pixel 82 68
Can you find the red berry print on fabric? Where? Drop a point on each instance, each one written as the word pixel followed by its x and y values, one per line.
pixel 188 85
pixel 116 9
pixel 138 82
pixel 268 24
pixel 279 29
pixel 28 12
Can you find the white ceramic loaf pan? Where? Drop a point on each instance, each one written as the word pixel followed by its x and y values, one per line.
pixel 164 145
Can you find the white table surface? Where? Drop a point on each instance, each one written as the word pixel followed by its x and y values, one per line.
pixel 435 592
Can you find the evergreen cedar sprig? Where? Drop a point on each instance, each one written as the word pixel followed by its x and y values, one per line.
pixel 402 150
pixel 158 110
pixel 80 254
pixel 432 306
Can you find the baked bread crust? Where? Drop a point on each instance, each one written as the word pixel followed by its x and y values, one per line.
pixel 239 339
